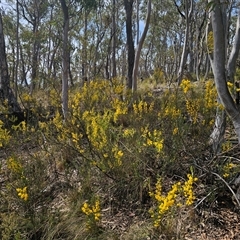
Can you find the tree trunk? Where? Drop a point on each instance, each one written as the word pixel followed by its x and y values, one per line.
pixel 35 56
pixel 137 22
pixel 65 60
pixel 23 69
pixel 6 92
pixel 130 44
pixel 114 40
pixel 218 19
pixel 139 47
pixel 84 48
pixel 188 16
pixel 17 52
pixel 231 65
pixel 217 135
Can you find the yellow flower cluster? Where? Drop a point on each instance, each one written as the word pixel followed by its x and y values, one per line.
pixel 230 86
pixel 129 132
pixel 142 107
pixel 170 199
pixel 4 135
pixel 97 93
pixel 120 109
pixel 210 42
pixel 227 169
pixel 118 88
pixel 226 146
pixel 152 138
pixel 22 126
pixel 92 211
pixel 59 125
pixel 27 98
pixel 210 95
pixel 185 85
pixel 96 128
pixel 165 203
pixel 91 117
pixel 175 131
pixel 172 111
pixel 188 189
pixel 14 165
pixel 22 193
pixel 173 199
pixel 93 92
pixel 117 155
pixel 193 107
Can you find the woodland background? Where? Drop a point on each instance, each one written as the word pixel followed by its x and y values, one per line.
pixel 113 119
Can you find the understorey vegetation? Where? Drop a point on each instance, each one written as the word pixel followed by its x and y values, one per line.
pixel 119 167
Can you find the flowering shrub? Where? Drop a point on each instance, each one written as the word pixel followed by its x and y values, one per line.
pixel 180 195
pixel 4 135
pixel 158 75
pixel 14 165
pixel 210 42
pixel 230 169
pixel 93 214
pixel 186 85
pixel 112 145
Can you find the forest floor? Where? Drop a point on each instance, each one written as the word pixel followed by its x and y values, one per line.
pixel 221 221
pixel 218 224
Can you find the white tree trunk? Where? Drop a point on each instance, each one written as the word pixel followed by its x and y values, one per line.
pixel 188 15
pixel 218 18
pixel 217 135
pixel 231 66
pixel 139 47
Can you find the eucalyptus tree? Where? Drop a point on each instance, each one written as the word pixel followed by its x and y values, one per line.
pixel 9 22
pixel 161 49
pixel 201 60
pixel 139 46
pixel 128 5
pixel 114 39
pixel 187 16
pixel 104 43
pixel 6 93
pixel 87 6
pixel 65 58
pixel 34 11
pixel 17 51
pixel 218 14
pixel 51 58
pixel 231 65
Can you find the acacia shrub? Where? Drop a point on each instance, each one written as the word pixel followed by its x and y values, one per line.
pixel 110 152
pixel 129 143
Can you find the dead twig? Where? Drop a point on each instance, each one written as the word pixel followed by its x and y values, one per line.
pixel 233 193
